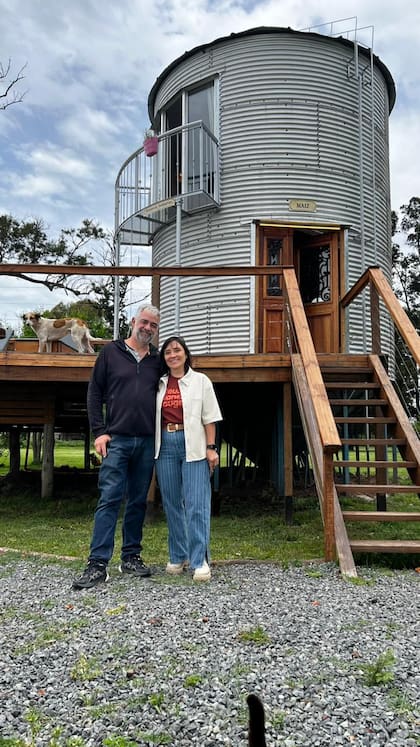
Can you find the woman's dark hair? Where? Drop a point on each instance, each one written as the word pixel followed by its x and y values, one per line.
pixel 163 364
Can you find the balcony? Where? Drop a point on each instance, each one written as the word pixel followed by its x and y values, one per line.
pixel 184 171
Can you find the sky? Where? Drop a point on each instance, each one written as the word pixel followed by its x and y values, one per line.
pixel 90 65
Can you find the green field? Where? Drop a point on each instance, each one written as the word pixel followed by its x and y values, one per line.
pixel 249 527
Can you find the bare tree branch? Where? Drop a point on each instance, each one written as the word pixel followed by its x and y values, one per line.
pixel 53 282
pixel 10 95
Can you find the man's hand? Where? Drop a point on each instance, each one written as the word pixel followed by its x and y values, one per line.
pixel 101 444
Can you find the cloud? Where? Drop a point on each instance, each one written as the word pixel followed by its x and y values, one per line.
pixel 42 186
pixel 58 161
pixel 91 65
pixel 46 180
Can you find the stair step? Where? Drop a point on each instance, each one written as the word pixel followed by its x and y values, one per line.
pixel 338 370
pixel 376 489
pixel 380 516
pixel 373 441
pixel 359 402
pixel 351 385
pixel 368 420
pixel 374 464
pixel 403 546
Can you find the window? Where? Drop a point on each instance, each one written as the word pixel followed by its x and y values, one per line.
pixel 274 251
pixel 191 152
pixel 201 105
pixel 315 275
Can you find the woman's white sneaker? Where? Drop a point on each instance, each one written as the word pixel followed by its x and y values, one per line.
pixel 203 573
pixel 175 569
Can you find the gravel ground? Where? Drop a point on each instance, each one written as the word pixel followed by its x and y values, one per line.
pixel 166 661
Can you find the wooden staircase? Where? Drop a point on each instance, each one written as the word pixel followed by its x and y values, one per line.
pixel 379 458
pixel 358 435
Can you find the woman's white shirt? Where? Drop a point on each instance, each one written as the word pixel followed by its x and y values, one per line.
pixel 200 407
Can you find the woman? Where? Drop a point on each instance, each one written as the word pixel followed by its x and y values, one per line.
pixel 186 454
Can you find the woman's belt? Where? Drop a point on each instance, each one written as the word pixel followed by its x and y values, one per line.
pixel 173 427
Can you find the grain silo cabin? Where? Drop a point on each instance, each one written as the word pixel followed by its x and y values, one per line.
pixel 263 190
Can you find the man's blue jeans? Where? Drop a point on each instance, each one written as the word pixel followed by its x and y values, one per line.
pixel 125 473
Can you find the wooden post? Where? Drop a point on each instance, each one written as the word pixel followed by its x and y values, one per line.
pixel 28 443
pixel 381 454
pixel 14 449
pixel 36 447
pixel 329 528
pixel 86 441
pixel 288 452
pixel 375 320
pixel 47 470
pixel 380 451
pixel 155 290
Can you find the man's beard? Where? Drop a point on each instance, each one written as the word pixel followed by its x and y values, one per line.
pixel 144 337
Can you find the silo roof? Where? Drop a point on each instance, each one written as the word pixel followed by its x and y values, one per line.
pixel 270 30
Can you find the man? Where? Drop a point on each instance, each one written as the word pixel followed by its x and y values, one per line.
pixel 124 379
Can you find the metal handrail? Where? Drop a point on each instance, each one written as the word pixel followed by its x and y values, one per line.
pixel 186 164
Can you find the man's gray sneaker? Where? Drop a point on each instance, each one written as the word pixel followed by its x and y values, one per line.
pixel 135 566
pixel 95 573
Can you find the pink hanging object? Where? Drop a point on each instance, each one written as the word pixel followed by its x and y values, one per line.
pixel 150 145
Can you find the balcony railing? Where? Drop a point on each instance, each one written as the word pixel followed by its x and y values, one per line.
pixel 185 168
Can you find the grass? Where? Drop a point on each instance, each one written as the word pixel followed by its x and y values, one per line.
pixel 379 672
pixel 248 527
pixel 66 453
pixel 62 526
pixel 255 635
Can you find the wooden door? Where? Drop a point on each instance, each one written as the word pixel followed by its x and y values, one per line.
pixel 317 266
pixel 275 247
pixel 316 261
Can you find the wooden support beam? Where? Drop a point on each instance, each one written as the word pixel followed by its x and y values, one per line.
pixel 135 271
pixel 375 320
pixel 47 470
pixel 344 553
pixel 288 451
pixel 329 524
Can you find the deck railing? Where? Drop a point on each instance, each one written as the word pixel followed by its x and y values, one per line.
pixel 317 418
pixel 407 338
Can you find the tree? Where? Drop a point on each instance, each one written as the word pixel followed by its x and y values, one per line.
pixel 406 263
pixel 410 223
pixel 406 273
pixel 98 308
pixel 104 288
pixel 9 94
pixel 27 242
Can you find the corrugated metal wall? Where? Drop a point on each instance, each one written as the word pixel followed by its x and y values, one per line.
pixel 289 129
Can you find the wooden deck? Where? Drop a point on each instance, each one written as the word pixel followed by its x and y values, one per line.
pixel 21 362
pixel 39 390
pixel 51 388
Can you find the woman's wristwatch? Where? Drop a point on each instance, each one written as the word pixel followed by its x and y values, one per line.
pixel 212 447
